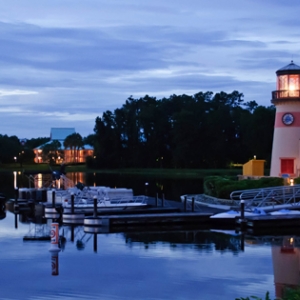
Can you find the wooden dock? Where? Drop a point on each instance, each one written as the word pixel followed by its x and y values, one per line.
pixel 269 224
pixel 149 219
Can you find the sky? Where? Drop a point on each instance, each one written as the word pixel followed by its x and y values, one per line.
pixel 65 62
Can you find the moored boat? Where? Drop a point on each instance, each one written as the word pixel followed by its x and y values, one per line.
pixel 285 212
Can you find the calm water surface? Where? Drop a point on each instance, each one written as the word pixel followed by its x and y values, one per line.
pixel 190 264
pixel 182 264
pixel 141 185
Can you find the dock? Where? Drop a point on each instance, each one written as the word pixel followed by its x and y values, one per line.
pixel 268 224
pixel 149 219
pixel 158 213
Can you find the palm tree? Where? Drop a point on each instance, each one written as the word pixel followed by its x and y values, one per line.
pixel 74 142
pixel 51 151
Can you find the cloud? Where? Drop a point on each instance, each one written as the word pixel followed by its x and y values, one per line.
pixel 60 59
pixel 16 93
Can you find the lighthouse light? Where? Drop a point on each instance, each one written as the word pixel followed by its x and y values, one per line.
pixel 293 82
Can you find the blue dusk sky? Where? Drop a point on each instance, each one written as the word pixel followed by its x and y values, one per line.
pixel 65 62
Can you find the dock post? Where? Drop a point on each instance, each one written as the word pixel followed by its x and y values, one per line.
pixel 95 206
pixel 16 220
pixel 243 241
pixel 95 242
pixel 163 200
pixel 53 198
pixel 146 189
pixel 243 221
pixel 242 209
pixel 72 233
pixel 16 204
pixel 193 204
pixel 72 203
pixel 156 200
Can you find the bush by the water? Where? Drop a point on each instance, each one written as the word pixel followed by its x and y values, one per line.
pixel 289 294
pixel 222 186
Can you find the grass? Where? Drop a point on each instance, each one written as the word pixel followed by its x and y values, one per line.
pixel 166 173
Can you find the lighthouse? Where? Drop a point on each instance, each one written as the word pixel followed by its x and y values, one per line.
pixel 285 160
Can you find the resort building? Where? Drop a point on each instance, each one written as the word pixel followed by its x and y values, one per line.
pixel 62 154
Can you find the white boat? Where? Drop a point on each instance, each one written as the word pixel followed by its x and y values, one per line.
pixel 285 212
pixel 105 197
pixel 108 202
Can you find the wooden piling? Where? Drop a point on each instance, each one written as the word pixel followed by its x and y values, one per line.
pixel 95 207
pixel 72 204
pixel 242 209
pixel 53 198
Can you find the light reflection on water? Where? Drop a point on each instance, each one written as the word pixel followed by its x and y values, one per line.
pixel 153 265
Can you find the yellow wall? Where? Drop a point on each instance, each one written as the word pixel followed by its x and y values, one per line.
pixel 254 167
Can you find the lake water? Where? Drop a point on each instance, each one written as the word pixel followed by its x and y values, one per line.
pixel 141 185
pixel 173 264
pixel 191 264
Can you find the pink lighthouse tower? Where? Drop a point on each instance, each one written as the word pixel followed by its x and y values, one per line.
pixel 286 139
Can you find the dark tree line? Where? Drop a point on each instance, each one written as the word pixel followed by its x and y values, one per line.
pixel 13 151
pixel 205 130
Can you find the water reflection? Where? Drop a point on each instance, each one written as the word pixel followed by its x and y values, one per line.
pixel 54 263
pixel 2 213
pixel 195 243
pixel 286 265
pixel 285 250
pixel 172 188
pixel 198 239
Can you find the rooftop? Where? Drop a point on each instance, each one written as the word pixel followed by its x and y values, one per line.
pixel 60 134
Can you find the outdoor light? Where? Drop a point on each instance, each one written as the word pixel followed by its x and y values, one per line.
pixel 291 87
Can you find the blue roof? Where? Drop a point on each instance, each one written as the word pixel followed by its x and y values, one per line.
pixel 85 147
pixel 60 134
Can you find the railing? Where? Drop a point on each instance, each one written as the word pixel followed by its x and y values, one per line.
pixel 276 95
pixel 46 181
pixel 269 197
pixel 67 183
pixel 202 199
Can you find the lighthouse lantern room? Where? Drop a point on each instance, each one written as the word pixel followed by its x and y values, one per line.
pixel 286 139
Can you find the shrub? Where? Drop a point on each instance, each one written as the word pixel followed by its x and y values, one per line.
pixel 221 187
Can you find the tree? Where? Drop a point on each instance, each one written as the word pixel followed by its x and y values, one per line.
pixel 74 142
pixel 52 151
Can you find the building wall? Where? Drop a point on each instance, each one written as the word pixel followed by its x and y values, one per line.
pixel 286 139
pixel 70 156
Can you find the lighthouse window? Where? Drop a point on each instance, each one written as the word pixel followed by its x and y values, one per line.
pixel 293 85
pixel 282 82
pixel 287 166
